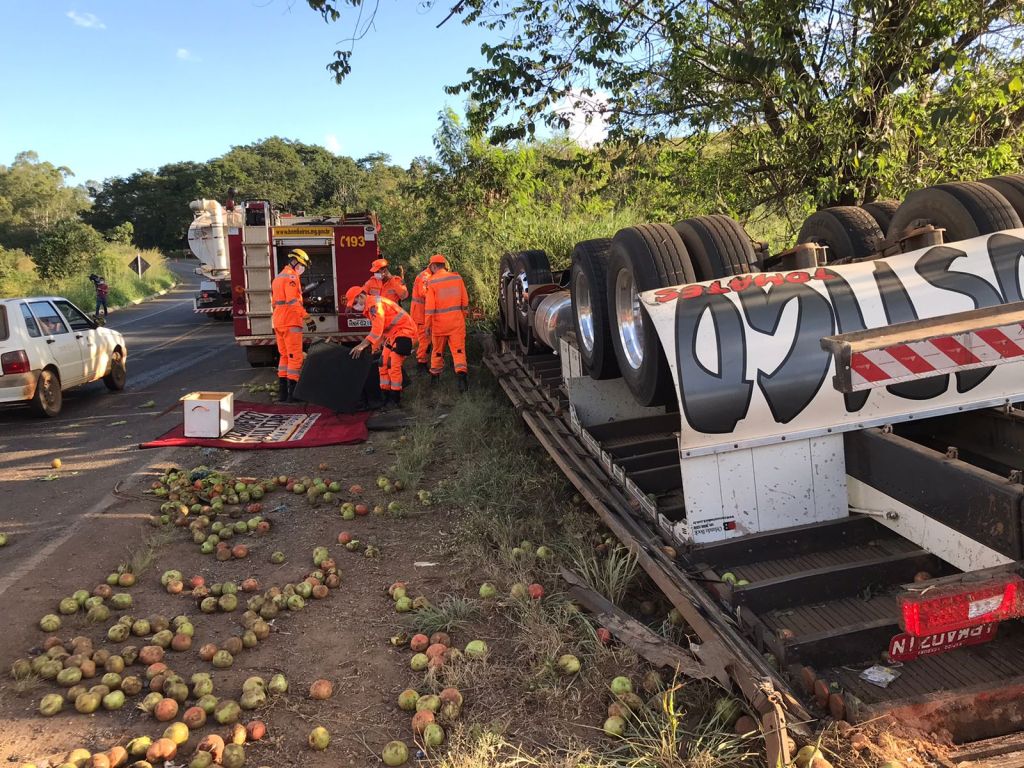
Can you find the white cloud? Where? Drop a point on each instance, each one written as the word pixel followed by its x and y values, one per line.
pixel 332 144
pixel 87 20
pixel 186 55
pixel 587 115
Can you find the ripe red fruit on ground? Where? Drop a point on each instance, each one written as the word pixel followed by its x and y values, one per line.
pixel 604 636
pixel 536 591
pixel 419 643
pixel 344 537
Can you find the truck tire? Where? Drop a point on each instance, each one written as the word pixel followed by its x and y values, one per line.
pixel 848 231
pixel 964 209
pixel 529 268
pixel 882 212
pixel 590 316
pixel 504 281
pixel 718 247
pixel 48 398
pixel 260 356
pixel 643 258
pixel 1012 188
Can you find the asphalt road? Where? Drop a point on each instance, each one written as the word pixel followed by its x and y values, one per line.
pixel 171 351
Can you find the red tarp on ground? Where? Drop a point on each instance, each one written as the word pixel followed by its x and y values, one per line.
pixel 274 425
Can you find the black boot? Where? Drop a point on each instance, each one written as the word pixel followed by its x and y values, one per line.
pixel 434 378
pixel 423 368
pixel 396 398
pixel 282 390
pixel 291 392
pixel 463 381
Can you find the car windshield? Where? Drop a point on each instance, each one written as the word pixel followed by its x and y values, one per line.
pixel 49 319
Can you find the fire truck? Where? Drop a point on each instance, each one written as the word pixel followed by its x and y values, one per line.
pixel 242 246
pixel 817 455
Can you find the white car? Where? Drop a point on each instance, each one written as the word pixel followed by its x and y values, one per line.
pixel 48 345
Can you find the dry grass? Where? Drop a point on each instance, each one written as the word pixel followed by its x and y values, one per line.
pixel 452 613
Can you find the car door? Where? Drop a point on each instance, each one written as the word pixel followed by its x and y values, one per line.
pixel 59 344
pixel 95 358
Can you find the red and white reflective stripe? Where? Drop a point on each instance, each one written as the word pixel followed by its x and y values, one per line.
pixel 938 356
pixel 212 310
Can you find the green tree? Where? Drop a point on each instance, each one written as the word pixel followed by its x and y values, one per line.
pixel 122 233
pixel 65 249
pixel 821 101
pixel 34 195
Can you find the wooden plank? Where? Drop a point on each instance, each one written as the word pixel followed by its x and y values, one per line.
pixel 631 632
pixel 844 580
pixel 796 540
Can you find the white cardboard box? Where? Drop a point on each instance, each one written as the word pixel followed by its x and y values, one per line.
pixel 209 414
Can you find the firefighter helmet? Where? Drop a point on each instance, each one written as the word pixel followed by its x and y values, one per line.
pixel 352 294
pixel 300 256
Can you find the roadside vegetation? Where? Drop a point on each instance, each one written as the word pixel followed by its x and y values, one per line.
pixel 46 247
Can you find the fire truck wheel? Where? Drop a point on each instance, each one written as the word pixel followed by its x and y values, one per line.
pixel 882 212
pixel 964 209
pixel 505 330
pixel 1012 188
pixel 643 258
pixel 718 247
pixel 590 307
pixel 529 269
pixel 849 232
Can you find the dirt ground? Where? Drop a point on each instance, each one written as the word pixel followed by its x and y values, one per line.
pixel 344 638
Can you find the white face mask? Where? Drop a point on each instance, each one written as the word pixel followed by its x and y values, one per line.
pixel 359 305
pixel 300 269
pixel 379 275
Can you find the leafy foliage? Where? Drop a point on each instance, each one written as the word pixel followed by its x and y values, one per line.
pixel 33 196
pixel 66 248
pixel 811 103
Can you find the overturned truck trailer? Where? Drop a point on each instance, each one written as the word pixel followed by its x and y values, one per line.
pixel 816 455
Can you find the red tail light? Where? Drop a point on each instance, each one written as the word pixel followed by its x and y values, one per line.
pixel 14 362
pixel 962 606
pixel 204 295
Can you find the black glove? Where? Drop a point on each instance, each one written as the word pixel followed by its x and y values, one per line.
pixel 310 324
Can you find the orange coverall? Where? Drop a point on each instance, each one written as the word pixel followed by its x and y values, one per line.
pixel 393 288
pixel 289 316
pixel 388 323
pixel 446 305
pixel 417 310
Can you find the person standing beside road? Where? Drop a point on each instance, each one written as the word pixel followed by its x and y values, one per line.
pixel 447 303
pixel 392 331
pixel 289 317
pixel 383 283
pixel 102 289
pixel 419 301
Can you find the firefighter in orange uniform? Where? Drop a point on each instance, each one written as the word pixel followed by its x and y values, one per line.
pixel 445 314
pixel 419 302
pixel 289 317
pixel 392 331
pixel 383 283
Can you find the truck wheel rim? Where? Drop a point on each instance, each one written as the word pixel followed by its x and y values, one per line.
pixel 522 294
pixel 629 319
pixel 584 311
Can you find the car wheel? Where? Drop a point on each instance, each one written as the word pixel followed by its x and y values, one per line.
pixel 48 398
pixel 118 373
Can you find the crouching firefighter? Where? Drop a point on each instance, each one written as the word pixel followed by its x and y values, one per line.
pixel 392 331
pixel 289 318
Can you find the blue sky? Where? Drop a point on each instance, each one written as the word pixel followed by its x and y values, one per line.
pixel 107 87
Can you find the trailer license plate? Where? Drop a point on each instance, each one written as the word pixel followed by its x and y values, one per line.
pixel 906 647
pixel 359 322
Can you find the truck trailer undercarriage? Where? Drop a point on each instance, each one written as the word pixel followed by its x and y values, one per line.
pixel 830 487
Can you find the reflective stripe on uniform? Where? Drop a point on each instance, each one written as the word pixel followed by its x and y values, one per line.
pixel 419 301
pixel 446 279
pixel 446 309
pixel 285 303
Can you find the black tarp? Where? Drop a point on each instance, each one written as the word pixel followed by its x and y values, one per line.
pixel 331 377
